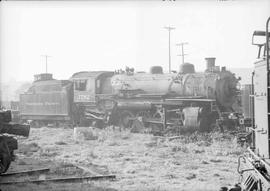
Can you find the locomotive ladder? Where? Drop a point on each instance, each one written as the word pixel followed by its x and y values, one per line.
pixel 268 81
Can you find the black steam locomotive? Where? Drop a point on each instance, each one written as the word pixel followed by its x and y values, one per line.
pixel 183 100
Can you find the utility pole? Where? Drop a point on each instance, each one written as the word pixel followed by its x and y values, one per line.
pixel 169 28
pixel 183 52
pixel 46 60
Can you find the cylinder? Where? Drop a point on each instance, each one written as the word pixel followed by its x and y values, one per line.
pixel 210 63
pixel 191 116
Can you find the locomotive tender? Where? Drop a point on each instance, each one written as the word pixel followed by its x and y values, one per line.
pixel 47 101
pixel 158 100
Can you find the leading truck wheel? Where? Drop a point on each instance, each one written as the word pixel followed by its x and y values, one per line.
pixel 126 118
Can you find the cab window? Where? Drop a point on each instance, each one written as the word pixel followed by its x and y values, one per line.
pixel 80 85
pixel 98 84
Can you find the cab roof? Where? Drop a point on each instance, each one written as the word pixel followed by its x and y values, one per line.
pixel 91 74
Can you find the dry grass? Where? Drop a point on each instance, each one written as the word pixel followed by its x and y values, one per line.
pixel 181 148
pixel 60 143
pixel 215 160
pixel 92 155
pixel 48 152
pixel 113 143
pixel 146 162
pixel 28 148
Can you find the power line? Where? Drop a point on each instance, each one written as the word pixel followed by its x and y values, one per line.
pixel 182 51
pixel 169 28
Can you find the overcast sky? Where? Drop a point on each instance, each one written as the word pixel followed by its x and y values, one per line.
pixel 104 35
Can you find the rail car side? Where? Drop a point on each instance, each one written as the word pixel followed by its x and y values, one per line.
pixel 254 167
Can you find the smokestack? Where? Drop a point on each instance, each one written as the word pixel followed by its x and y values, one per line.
pixel 210 63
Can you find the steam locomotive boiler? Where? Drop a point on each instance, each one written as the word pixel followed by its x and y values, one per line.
pixel 187 99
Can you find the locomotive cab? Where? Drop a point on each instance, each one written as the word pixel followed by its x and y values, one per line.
pixel 89 89
pixel 89 84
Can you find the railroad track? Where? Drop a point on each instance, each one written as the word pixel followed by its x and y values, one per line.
pixel 56 173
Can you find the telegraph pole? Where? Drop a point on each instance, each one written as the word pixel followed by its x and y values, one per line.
pixel 169 28
pixel 183 52
pixel 46 61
